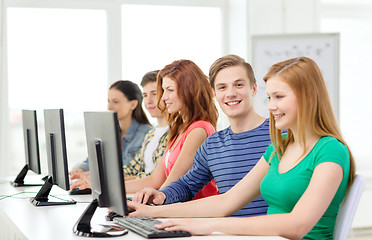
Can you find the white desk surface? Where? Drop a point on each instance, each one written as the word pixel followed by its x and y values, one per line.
pixel 25 221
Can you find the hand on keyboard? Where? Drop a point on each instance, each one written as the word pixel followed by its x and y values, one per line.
pixel 192 225
pixel 80 180
pixel 144 226
pixel 139 210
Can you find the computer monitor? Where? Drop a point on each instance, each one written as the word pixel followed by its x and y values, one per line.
pixel 55 140
pixel 31 145
pixel 106 172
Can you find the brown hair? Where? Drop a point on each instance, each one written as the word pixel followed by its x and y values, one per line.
pixel 132 92
pixel 194 91
pixel 230 61
pixel 149 77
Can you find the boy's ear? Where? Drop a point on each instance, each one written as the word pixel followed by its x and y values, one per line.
pixel 214 92
pixel 254 87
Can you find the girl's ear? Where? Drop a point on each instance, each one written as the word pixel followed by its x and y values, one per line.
pixel 133 104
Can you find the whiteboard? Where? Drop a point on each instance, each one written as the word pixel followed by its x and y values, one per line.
pixel 323 48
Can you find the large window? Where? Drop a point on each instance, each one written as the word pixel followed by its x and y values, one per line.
pixel 57 58
pixel 61 58
pixel 154 36
pixel 355 84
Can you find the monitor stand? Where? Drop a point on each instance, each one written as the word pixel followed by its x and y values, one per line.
pixel 41 198
pixel 20 179
pixel 83 228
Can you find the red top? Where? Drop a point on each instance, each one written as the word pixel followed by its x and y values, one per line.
pixel 171 157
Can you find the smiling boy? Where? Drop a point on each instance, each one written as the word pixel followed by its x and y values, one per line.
pixel 227 155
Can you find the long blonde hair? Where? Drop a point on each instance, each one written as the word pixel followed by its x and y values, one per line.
pixel 314 106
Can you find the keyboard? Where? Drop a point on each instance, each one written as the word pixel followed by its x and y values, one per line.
pixel 144 226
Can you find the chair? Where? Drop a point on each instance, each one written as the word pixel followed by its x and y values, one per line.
pixel 348 208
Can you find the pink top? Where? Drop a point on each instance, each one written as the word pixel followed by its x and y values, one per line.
pixel 170 157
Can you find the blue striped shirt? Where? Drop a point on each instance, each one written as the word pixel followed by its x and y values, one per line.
pixel 227 157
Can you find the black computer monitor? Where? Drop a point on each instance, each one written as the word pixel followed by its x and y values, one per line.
pixel 55 140
pixel 106 172
pixel 31 144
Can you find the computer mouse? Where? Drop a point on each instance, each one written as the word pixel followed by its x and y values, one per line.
pixel 77 191
pixel 111 215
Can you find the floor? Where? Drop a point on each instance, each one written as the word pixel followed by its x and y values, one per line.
pixel 361 235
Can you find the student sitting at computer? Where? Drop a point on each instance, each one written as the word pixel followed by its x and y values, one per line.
pixel 184 91
pixel 153 145
pixel 125 98
pixel 303 175
pixel 227 155
pixel 155 142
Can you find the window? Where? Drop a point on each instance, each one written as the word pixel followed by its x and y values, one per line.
pixel 154 36
pixel 57 58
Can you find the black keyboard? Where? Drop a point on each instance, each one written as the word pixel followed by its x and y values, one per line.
pixel 144 226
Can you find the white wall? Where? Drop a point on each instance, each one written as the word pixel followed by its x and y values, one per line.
pixel 255 17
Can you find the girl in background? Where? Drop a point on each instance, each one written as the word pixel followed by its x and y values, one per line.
pixel 125 98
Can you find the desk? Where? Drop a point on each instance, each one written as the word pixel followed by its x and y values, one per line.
pixel 19 219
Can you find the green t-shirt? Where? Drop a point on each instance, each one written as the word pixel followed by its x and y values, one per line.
pixel 282 191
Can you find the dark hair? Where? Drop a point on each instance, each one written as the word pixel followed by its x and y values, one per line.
pixel 132 92
pixel 149 77
pixel 230 61
pixel 195 92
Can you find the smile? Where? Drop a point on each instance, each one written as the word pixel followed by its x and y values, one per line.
pixel 233 103
pixel 277 116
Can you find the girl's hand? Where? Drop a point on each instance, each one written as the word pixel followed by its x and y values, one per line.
pixel 82 180
pixel 193 226
pixel 139 210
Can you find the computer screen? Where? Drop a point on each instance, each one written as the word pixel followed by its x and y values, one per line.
pixel 31 145
pixel 55 140
pixel 106 172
